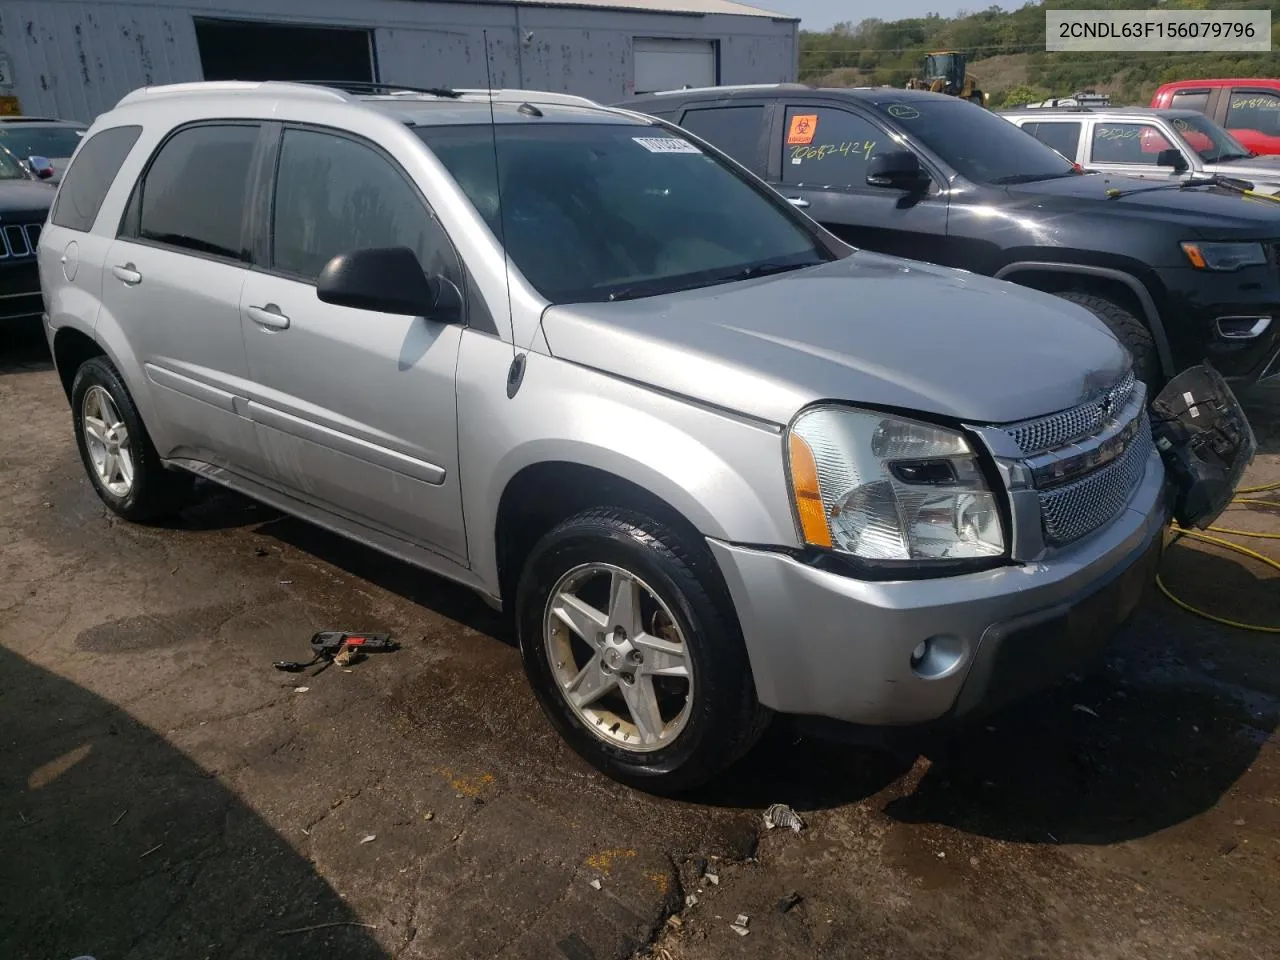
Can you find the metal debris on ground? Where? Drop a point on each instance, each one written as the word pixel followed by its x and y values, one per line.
pixel 1081 708
pixel 789 901
pixel 596 884
pixel 301 689
pixel 369 838
pixel 340 647
pixel 740 925
pixel 780 815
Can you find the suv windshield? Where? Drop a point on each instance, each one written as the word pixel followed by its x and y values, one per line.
pixel 978 144
pixel 1209 140
pixel 594 211
pixel 31 140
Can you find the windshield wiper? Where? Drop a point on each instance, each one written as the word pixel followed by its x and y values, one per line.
pixel 1031 177
pixel 771 267
pixel 657 288
pixel 1216 180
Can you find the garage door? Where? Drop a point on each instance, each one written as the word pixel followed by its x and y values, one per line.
pixel 672 64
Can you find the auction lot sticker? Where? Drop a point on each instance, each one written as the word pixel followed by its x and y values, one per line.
pixel 1158 31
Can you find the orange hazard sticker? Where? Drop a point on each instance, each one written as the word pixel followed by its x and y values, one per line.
pixel 803 127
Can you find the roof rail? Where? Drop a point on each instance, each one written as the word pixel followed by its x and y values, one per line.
pixel 502 95
pixel 369 87
pixel 736 86
pixel 210 87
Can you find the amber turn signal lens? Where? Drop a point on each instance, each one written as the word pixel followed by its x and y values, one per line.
pixel 804 487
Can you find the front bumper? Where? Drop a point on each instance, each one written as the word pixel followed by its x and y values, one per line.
pixel 1197 299
pixel 20 297
pixel 827 645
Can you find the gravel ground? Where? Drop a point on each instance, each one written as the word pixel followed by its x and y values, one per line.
pixel 166 794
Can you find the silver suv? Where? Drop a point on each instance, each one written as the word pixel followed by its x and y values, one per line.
pixel 714 462
pixel 1148 143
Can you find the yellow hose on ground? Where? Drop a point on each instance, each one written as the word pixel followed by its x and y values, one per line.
pixel 1235 548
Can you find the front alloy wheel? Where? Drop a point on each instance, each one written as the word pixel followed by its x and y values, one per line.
pixel 619 656
pixel 632 646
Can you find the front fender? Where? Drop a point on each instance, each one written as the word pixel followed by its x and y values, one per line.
pixel 725 475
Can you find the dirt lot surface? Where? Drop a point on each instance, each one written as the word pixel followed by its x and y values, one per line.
pixel 164 793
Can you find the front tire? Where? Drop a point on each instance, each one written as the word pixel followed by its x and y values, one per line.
pixel 1129 330
pixel 634 653
pixel 115 448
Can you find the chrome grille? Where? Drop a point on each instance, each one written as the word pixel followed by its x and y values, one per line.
pixel 18 240
pixel 1068 426
pixel 1070 512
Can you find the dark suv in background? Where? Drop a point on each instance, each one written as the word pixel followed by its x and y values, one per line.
pixel 24 205
pixel 1180 272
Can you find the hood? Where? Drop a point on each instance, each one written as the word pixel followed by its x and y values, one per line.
pixel 867 329
pixel 28 199
pixel 1264 170
pixel 1212 210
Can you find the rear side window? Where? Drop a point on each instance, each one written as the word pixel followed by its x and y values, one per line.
pixel 1063 137
pixel 87 180
pixel 1254 110
pixel 735 130
pixel 828 147
pixel 1191 100
pixel 334 195
pixel 194 194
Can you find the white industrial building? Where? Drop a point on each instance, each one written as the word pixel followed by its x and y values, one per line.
pixel 76 58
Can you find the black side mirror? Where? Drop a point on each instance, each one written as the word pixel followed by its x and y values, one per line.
pixel 388 280
pixel 1172 158
pixel 897 169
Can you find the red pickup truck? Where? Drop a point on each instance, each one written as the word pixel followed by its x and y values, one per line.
pixel 1249 108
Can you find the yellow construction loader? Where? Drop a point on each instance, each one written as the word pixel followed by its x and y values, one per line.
pixel 944 72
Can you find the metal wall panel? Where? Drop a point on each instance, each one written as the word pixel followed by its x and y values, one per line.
pixel 75 59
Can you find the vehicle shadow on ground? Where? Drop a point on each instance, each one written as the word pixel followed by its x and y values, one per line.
pixel 1155 739
pixel 118 846
pixel 23 348
pixel 1262 407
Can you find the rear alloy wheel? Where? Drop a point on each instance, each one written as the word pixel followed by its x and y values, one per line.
pixel 634 652
pixel 117 452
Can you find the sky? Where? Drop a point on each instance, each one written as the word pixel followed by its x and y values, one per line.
pixel 821 14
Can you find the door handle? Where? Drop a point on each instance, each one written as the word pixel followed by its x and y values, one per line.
pixel 127 274
pixel 268 316
pixel 798 202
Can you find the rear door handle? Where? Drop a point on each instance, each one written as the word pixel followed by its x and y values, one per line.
pixel 127 274
pixel 268 316
pixel 798 202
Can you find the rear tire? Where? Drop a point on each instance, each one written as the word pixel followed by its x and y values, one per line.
pixel 688 662
pixel 116 449
pixel 1129 330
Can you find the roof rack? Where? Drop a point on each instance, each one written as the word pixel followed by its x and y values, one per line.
pixel 498 94
pixel 365 87
pixel 210 87
pixel 503 95
pixel 736 86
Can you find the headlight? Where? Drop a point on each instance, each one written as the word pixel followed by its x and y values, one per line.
pixel 884 488
pixel 1224 256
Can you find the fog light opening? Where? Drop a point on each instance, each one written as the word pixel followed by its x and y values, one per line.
pixel 937 656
